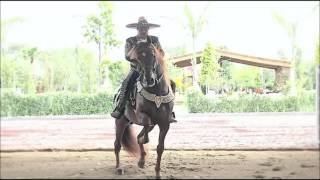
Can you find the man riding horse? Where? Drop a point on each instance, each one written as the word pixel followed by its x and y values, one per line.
pixel 142 26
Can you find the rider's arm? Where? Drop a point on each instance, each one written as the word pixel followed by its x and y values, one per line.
pixel 158 46
pixel 129 50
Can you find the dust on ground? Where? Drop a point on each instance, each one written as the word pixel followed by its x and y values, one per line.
pixel 199 164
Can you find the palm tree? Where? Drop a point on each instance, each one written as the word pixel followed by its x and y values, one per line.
pixel 195 26
pixel 291 29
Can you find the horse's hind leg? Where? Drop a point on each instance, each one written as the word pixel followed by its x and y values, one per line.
pixel 121 124
pixel 144 131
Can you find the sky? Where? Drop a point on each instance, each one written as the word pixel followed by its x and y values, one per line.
pixel 245 27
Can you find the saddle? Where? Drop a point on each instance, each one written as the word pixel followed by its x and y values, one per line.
pixel 130 104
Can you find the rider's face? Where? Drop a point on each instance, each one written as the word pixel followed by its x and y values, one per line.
pixel 143 31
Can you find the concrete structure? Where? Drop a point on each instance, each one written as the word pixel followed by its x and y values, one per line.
pixel 282 68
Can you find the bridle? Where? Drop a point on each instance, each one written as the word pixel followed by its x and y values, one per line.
pixel 158 100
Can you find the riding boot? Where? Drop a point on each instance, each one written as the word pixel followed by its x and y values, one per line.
pixel 118 111
pixel 173 87
pixel 128 81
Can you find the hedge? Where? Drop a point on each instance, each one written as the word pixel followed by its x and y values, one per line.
pixel 55 104
pixel 198 103
pixel 102 103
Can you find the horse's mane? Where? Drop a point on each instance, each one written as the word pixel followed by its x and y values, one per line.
pixel 160 59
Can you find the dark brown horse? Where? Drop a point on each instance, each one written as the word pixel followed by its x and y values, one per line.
pixel 151 104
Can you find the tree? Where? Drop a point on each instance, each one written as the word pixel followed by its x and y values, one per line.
pixel 30 53
pixel 176 74
pixel 210 68
pixel 245 77
pixel 8 63
pixel 117 72
pixel 291 29
pixel 100 30
pixel 8 68
pixel 317 62
pixel 195 26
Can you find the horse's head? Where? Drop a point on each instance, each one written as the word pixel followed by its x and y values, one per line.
pixel 146 56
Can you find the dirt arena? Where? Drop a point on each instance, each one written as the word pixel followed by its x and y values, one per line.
pixel 199 164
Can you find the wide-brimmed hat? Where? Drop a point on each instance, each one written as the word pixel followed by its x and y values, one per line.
pixel 142 22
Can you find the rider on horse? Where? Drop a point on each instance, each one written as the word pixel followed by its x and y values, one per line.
pixel 142 26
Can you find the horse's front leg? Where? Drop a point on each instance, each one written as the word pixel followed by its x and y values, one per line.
pixel 145 120
pixel 163 132
pixel 144 131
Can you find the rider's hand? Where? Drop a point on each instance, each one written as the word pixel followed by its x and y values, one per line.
pixel 132 54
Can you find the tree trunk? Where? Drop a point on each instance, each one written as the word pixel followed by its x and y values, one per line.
pixel 52 79
pixel 318 99
pixel 293 90
pixel 99 78
pixel 207 88
pixel 194 63
pixel 99 44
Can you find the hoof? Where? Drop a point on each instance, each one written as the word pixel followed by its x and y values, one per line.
pixel 158 177
pixel 119 171
pixel 141 164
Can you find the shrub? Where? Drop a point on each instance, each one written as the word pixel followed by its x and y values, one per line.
pixel 62 103
pixel 198 103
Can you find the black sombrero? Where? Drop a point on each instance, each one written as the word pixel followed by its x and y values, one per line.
pixel 142 22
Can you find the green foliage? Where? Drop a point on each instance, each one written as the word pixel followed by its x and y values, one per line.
pixel 72 69
pixel 176 74
pixel 268 78
pixel 30 53
pixel 210 68
pixel 8 67
pixel 226 70
pixel 100 28
pixel 317 53
pixel 195 26
pixel 56 104
pixel 245 77
pixel 117 72
pixel 198 103
pixel 307 76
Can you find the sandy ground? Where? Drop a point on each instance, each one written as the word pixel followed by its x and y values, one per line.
pixel 199 164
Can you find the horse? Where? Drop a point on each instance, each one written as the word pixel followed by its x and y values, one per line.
pixel 151 104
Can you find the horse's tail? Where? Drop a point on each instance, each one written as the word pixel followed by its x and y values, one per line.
pixel 129 141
